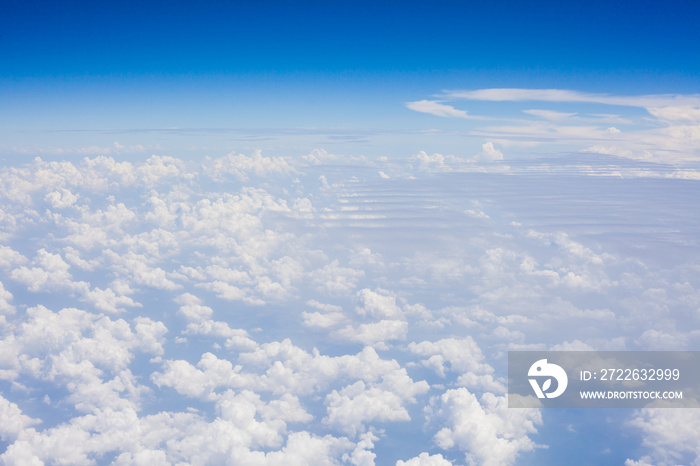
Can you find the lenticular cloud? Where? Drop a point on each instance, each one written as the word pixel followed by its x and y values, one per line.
pixel 321 310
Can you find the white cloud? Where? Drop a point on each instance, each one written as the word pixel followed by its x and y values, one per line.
pixel 5 299
pixel 656 340
pixel 323 306
pixel 12 421
pixel 376 333
pixel 560 95
pixel 191 308
pixel 235 338
pixel 425 459
pixel 669 434
pixel 334 279
pixel 489 153
pixel 357 404
pixel 436 108
pixel 136 266
pixel 323 320
pixel 242 166
pixel 107 300
pixel 550 114
pixel 380 304
pixel 486 430
pixel 462 355
pixel 61 199
pixel 236 270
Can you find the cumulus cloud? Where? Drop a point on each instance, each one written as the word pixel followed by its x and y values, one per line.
pixel 12 421
pixel 488 152
pixel 376 333
pixel 257 309
pixel 335 279
pixel 485 429
pixel 425 459
pixel 668 434
pixel 242 166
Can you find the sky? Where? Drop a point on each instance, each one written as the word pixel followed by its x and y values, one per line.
pixel 310 232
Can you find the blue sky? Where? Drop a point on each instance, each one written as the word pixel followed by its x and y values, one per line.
pixel 309 232
pixel 329 65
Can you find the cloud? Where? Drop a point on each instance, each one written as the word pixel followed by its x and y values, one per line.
pixel 375 333
pixel 550 114
pixel 490 153
pixel 425 459
pixel 668 435
pixel 486 430
pixel 175 311
pixel 669 134
pixel 434 107
pixel 12 421
pixel 320 320
pixel 379 304
pixel 356 404
pixel 684 113
pixel 242 166
pixel 561 95
pixel 334 279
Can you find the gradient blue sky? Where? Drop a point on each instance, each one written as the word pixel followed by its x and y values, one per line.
pixel 530 182
pixel 331 66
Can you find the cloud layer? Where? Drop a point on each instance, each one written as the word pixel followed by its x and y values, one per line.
pixel 265 310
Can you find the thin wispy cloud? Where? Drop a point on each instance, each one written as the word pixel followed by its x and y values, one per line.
pixel 562 95
pixel 669 132
pixel 550 114
pixel 434 107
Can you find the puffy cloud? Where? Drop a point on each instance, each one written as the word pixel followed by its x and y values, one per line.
pixel 237 263
pixel 10 258
pixel 485 429
pixel 356 404
pixel 489 153
pixel 12 421
pixel 375 333
pixel 242 166
pixel 379 304
pixel 136 266
pixel 61 199
pixel 159 169
pixel 668 434
pixel 424 459
pixel 51 273
pixel 107 300
pixel 334 279
pixel 656 340
pixel 461 356
pixel 359 403
pixel 5 298
pixel 235 338
pixel 321 320
pixel 191 307
pixel 323 306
